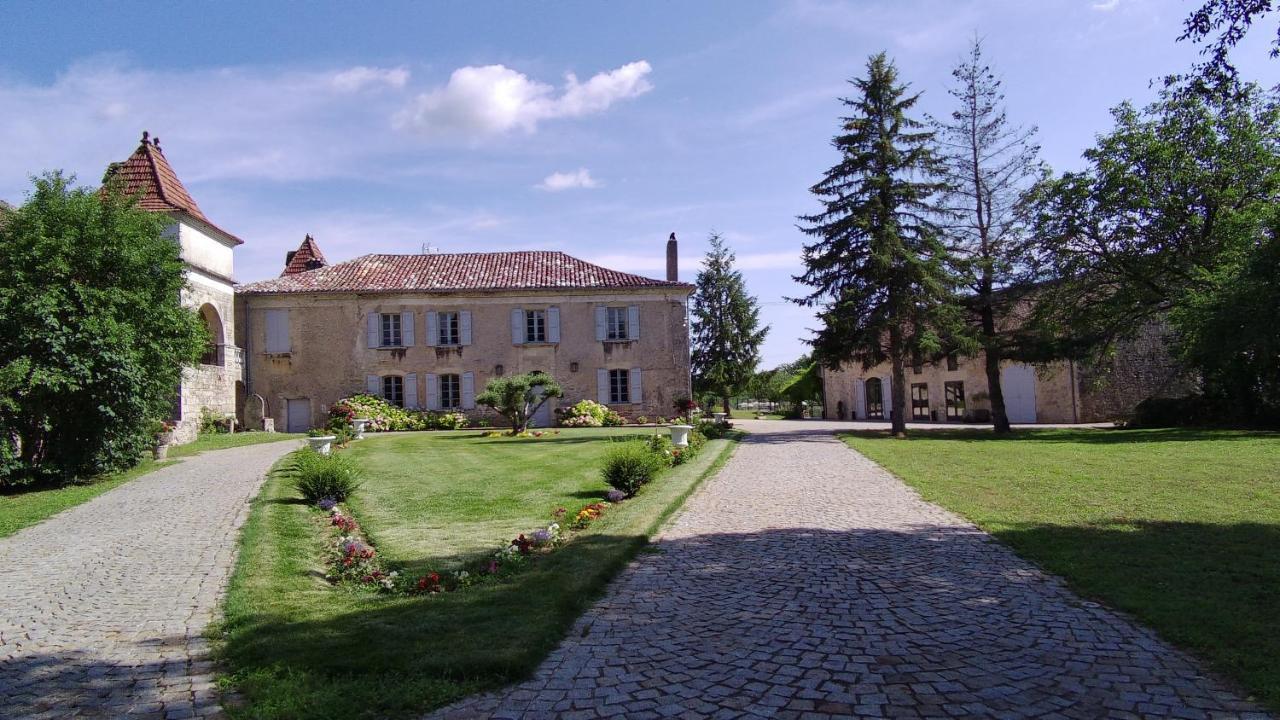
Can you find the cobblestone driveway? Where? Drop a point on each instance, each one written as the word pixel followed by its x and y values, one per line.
pixel 104 604
pixel 806 582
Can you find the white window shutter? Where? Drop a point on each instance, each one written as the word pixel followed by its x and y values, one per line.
pixel 433 328
pixel 637 392
pixel 602 386
pixel 375 330
pixel 633 322
pixel 411 391
pixel 517 326
pixel 433 391
pixel 406 328
pixel 373 385
pixel 601 320
pixel 468 391
pixel 464 327
pixel 277 331
pixel 887 398
pixel 553 324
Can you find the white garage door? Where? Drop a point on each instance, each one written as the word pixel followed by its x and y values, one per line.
pixel 1019 385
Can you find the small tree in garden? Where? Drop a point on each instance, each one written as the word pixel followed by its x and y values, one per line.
pixel 726 326
pixel 519 397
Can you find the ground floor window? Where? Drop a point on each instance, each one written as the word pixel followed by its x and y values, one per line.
pixel 393 390
pixel 920 401
pixel 619 386
pixel 450 392
pixel 955 400
pixel 875 399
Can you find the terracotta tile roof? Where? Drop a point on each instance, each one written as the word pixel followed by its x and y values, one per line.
pixel 148 175
pixel 306 257
pixel 524 270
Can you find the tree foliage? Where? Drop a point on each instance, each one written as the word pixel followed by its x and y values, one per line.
pixel 726 326
pixel 1223 23
pixel 519 397
pixel 878 267
pixel 987 164
pixel 1172 211
pixel 93 336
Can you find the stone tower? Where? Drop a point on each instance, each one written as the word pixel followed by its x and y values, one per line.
pixel 215 385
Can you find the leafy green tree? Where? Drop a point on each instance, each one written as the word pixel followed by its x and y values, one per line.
pixel 726 326
pixel 879 268
pixel 519 397
pixel 987 164
pixel 93 336
pixel 1168 223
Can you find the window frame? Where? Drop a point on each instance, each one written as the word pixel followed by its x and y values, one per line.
pixel 449 328
pixel 920 401
pixel 875 409
pixel 535 326
pixel 619 391
pixel 392 333
pixel 953 390
pixel 616 323
pixel 391 386
pixel 450 398
pixel 953 362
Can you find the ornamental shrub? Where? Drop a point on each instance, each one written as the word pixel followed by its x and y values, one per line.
pixel 584 413
pixel 629 465
pixel 317 476
pixel 385 417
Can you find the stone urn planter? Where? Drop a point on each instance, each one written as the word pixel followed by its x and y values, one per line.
pixel 359 424
pixel 680 435
pixel 321 444
pixel 719 417
pixel 161 449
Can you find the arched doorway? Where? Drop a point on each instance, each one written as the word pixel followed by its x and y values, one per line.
pixel 214 343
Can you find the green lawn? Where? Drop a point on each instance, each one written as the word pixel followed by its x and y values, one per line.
pixel 23 507
pixel 297 648
pixel 1180 528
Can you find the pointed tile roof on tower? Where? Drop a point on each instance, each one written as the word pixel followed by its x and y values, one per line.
pixel 306 257
pixel 148 175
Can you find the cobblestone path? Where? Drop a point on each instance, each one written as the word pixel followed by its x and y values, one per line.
pixel 103 605
pixel 804 581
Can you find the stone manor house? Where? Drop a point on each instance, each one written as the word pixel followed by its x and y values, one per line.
pixel 423 331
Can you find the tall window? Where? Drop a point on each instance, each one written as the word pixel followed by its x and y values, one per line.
pixel 619 386
pixel 535 326
pixel 450 392
pixel 449 333
pixel 393 389
pixel 920 401
pixel 953 362
pixel 875 399
pixel 391 336
pixel 616 323
pixel 917 365
pixel 955 400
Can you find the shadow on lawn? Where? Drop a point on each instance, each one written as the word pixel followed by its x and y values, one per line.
pixel 947 596
pixel 1093 436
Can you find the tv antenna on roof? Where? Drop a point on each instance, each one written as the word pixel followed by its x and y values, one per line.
pixel 427 249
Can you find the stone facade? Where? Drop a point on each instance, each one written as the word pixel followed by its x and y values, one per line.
pixel 328 356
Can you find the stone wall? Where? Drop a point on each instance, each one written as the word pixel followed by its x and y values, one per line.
pixel 329 359
pixel 1139 368
pixel 209 386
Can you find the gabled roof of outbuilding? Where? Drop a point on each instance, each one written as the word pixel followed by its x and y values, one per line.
pixel 305 258
pixel 521 270
pixel 148 175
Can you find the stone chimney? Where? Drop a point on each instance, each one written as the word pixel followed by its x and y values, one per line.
pixel 673 260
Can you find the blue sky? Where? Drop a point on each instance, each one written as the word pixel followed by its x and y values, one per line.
pixel 593 128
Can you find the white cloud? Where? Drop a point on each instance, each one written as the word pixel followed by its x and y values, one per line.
pixel 362 77
pixel 1105 5
pixel 557 181
pixel 494 100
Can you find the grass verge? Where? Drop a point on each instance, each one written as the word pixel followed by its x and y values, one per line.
pixel 1179 528
pixel 222 441
pixel 297 648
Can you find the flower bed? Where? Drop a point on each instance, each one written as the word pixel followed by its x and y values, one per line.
pixel 589 413
pixel 385 417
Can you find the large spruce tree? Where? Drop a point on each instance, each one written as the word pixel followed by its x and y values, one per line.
pixel 878 268
pixel 987 164
pixel 726 326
